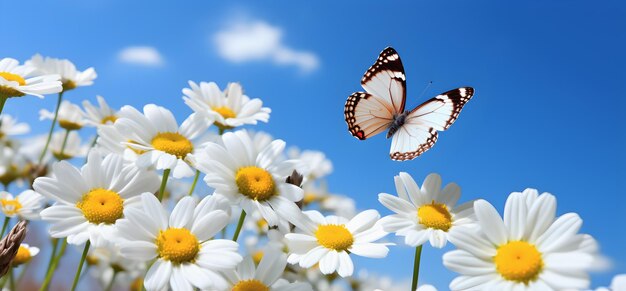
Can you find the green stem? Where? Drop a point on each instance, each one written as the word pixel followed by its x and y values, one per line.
pixel 54 121
pixel 195 181
pixel 80 265
pixel 67 135
pixel 53 267
pixel 11 279
pixel 3 100
pixel 55 246
pixel 166 175
pixel 4 226
pixel 416 267
pixel 221 130
pixel 242 217
pixel 110 286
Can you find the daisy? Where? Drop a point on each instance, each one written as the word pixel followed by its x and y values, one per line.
pixel 109 266
pixel 158 140
pixel 265 276
pixel 14 165
pixel 313 164
pixel 253 179
pixel 228 109
pixel 90 201
pixel 26 205
pixel 67 145
pixel 330 240
pixel 531 249
pixel 24 254
pixel 70 76
pixel 17 81
pixel 10 127
pixel 70 116
pixel 186 256
pixel 426 214
pixel 96 116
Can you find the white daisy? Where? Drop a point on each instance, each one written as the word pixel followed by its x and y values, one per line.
pixel 529 250
pixel 14 164
pixel 70 116
pixel 106 261
pixel 24 254
pixel 70 76
pixel 26 205
pixel 330 241
pixel 313 164
pixel 96 116
pixel 66 145
pixel 10 127
pixel 228 109
pixel 186 256
pixel 264 277
pixel 17 81
pixel 90 201
pixel 426 214
pixel 249 178
pixel 157 138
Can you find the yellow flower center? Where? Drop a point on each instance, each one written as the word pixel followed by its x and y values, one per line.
pixel 101 206
pixel 68 85
pixel 23 256
pixel 10 207
pixel 69 125
pixel 334 236
pixel 173 143
pixel 137 284
pixel 137 151
pixel 177 245
pixel 226 113
pixel 261 224
pixel 255 183
pixel 257 256
pixel 108 119
pixel 435 216
pixel 92 260
pixel 518 261
pixel 13 77
pixel 309 198
pixel 250 285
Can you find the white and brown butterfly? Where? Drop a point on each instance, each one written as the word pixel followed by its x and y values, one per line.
pixel 381 108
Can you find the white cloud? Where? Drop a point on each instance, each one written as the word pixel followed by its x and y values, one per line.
pixel 141 55
pixel 255 41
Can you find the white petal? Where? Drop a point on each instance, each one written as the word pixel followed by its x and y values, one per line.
pixel 490 222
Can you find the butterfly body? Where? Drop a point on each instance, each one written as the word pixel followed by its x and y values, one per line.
pixel 381 108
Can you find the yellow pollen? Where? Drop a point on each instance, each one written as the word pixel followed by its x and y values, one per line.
pixel 334 236
pixel 92 260
pixel 23 256
pixel 108 119
pixel 255 183
pixel 225 112
pixel 101 206
pixel 69 125
pixel 250 285
pixel 177 245
pixel 518 261
pixel 261 224
pixel 13 77
pixel 68 85
pixel 173 143
pixel 435 216
pixel 10 207
pixel 257 256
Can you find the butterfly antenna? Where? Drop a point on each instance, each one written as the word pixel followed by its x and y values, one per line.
pixel 425 89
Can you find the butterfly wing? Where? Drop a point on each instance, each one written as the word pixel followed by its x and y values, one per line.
pixel 368 114
pixel 419 132
pixel 385 79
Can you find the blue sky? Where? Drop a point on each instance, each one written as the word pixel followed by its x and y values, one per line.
pixel 547 112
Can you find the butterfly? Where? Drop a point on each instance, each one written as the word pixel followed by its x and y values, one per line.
pixel 381 108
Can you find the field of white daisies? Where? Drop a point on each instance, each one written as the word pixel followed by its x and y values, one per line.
pixel 126 201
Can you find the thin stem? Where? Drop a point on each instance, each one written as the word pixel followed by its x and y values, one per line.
pixel 166 175
pixel 80 265
pixel 55 246
pixel 53 267
pixel 54 121
pixel 242 217
pixel 3 100
pixel 67 135
pixel 416 267
pixel 11 279
pixel 110 286
pixel 195 181
pixel 4 226
pixel 221 130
